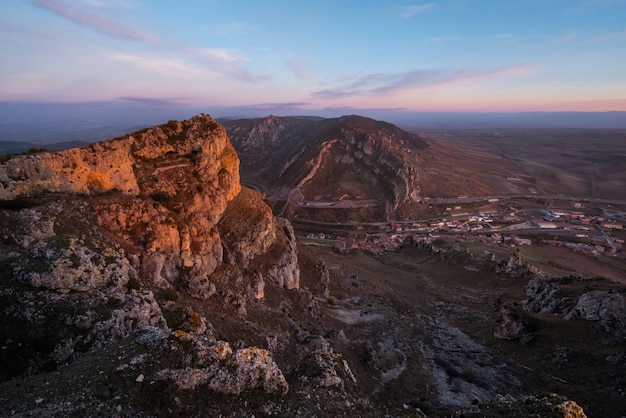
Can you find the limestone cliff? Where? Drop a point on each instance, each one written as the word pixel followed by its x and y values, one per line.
pixel 161 192
pixel 97 242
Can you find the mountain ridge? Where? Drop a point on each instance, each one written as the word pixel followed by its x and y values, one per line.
pixel 303 162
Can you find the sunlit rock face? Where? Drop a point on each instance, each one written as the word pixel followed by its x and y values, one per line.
pixel 162 191
pixel 91 238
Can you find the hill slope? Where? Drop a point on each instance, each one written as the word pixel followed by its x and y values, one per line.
pixel 352 159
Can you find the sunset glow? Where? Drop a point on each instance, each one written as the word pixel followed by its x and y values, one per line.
pixel 426 56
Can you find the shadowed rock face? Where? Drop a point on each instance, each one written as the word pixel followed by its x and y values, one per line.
pixel 351 157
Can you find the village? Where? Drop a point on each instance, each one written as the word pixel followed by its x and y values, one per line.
pixel 590 233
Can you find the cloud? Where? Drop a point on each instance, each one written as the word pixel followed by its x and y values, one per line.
pixel 170 67
pixel 381 83
pixel 152 101
pixel 95 20
pixel 226 63
pixel 385 83
pixel 117 4
pixel 298 70
pixel 562 39
pixel 233 28
pixel 193 62
pixel 278 106
pixel 619 36
pixel 412 10
pixel 216 55
pixel 439 39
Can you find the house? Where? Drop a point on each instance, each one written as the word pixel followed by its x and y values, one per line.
pixel 546 225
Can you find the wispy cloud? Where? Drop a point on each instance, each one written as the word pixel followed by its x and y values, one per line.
pixel 299 70
pixel 94 19
pixel 116 4
pixel 193 62
pixel 619 36
pixel 171 67
pixel 152 101
pixel 562 39
pixel 381 83
pixel 227 63
pixel 439 39
pixel 412 10
pixel 233 28
pixel 385 83
pixel 279 106
pixel 506 37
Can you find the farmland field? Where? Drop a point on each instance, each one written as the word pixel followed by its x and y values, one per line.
pixel 585 163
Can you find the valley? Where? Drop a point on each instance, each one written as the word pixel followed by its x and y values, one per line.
pixel 460 255
pixel 313 267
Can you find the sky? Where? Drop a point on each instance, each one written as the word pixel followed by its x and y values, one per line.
pixel 301 55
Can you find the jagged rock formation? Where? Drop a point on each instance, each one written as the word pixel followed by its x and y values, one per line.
pixel 64 292
pixel 171 185
pixel 545 297
pixel 606 307
pixel 95 231
pixel 224 371
pixel 512 325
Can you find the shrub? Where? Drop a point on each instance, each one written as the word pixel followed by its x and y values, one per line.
pixel 160 196
pixel 133 284
pixel 169 294
pixel 20 202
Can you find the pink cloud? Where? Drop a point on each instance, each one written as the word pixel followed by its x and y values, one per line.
pixel 384 83
pixel 298 70
pixel 95 20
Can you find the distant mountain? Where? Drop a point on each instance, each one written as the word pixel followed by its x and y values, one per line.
pixel 353 163
pixel 16 147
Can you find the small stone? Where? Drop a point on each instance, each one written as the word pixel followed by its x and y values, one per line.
pixel 38 401
pixel 139 378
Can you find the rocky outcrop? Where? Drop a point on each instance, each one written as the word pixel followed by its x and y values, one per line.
pixel 94 169
pixel 608 309
pixel 512 325
pixel 325 368
pixel 64 292
pixel 598 305
pixel 220 369
pixel 164 193
pixel 66 265
pixel 546 298
pixel 95 233
pixel 284 270
pixel 514 266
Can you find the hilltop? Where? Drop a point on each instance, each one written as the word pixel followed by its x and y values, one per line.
pixel 377 170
